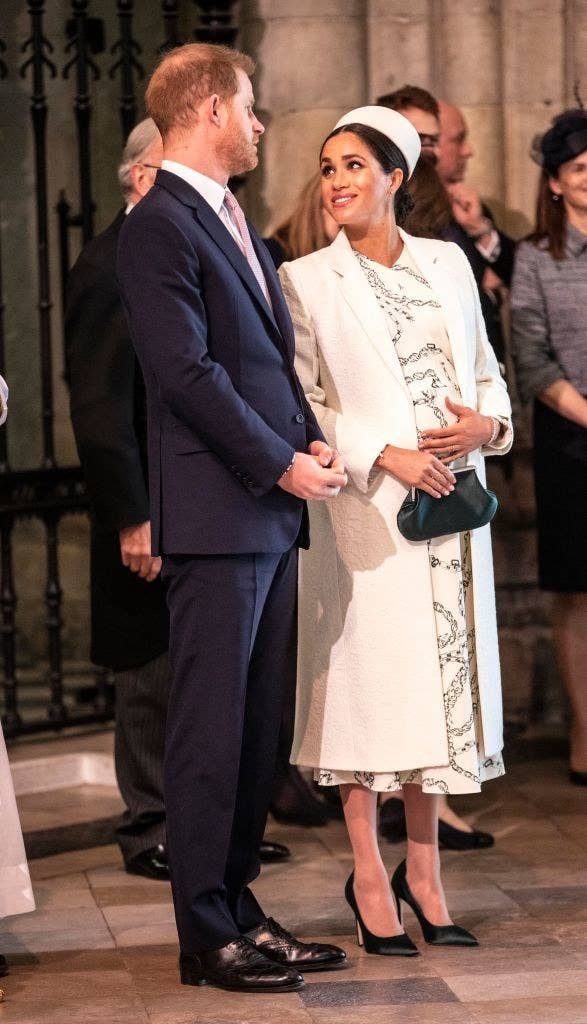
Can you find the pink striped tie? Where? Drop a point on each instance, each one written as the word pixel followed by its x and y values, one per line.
pixel 238 218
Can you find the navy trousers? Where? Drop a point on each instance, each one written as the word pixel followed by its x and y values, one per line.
pixel 233 655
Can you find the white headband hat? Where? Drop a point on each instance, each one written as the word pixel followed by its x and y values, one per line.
pixel 391 124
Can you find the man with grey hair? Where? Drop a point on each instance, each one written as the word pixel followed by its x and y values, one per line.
pixel 129 616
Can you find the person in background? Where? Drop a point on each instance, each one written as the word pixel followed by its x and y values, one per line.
pixel 421 109
pixel 431 216
pixel 398 671
pixel 16 894
pixel 309 227
pixel 445 143
pixel 549 337
pixel 129 616
pixel 489 250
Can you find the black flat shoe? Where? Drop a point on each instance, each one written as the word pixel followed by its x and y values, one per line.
pixel 457 839
pixel 393 945
pixel 270 852
pixel 577 778
pixel 392 825
pixel 295 803
pixel 281 946
pixel 434 934
pixel 240 967
pixel 150 864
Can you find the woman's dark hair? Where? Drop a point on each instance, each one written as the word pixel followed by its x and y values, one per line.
pixel 432 213
pixel 388 156
pixel 550 227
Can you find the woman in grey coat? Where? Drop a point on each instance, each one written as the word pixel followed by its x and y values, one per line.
pixel 549 306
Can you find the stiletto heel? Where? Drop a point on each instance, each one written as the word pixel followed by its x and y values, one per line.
pixel 434 934
pixel 393 945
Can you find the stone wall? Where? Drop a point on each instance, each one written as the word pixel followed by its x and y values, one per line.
pixel 510 65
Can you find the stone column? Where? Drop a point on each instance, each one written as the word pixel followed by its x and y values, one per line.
pixel 534 89
pixel 400 46
pixel 311 68
pixel 468 73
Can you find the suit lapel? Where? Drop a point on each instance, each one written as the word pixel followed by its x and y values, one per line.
pixel 214 227
pixel 211 222
pixel 358 294
pixel 280 310
pixel 444 287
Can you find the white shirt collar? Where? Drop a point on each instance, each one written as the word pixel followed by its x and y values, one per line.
pixel 129 206
pixel 209 189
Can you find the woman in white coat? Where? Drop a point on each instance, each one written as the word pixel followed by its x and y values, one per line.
pixel 16 895
pixel 399 682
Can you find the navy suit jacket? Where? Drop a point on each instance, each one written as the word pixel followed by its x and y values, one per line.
pixel 225 409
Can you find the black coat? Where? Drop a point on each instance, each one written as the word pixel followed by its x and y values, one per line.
pixel 108 411
pixel 503 267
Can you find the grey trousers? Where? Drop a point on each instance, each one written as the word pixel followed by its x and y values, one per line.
pixel 139 739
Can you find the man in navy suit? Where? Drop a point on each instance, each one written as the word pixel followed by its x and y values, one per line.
pixel 234 451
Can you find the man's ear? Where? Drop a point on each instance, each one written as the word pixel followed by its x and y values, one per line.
pixel 214 109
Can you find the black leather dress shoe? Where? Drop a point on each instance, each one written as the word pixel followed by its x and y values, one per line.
pixel 150 863
pixel 283 947
pixel 239 966
pixel 269 852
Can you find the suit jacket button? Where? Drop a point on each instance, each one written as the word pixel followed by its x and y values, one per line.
pixel 300 418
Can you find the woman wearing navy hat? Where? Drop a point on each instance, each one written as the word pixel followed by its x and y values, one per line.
pixel 549 334
pixel 398 683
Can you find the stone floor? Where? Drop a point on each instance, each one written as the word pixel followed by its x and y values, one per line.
pixel 102 945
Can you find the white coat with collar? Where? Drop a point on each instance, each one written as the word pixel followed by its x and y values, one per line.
pixel 369 687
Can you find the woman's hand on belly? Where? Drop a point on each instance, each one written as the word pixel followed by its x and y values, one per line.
pixel 417 469
pixel 471 431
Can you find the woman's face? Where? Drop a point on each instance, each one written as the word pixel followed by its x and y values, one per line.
pixel 356 192
pixel 571 183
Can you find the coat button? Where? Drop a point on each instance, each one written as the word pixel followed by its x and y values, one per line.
pixel 300 418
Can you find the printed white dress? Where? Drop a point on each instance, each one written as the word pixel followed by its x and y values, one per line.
pixel 418 332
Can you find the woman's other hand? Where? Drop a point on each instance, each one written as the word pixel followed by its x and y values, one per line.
pixel 471 431
pixel 417 469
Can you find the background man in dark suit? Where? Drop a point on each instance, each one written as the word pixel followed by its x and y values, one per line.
pixel 234 450
pixel 130 622
pixel 444 138
pixel 490 251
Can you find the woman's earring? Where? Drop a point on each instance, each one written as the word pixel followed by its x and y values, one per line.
pixel 555 197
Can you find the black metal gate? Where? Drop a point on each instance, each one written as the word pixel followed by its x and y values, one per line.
pixel 51 492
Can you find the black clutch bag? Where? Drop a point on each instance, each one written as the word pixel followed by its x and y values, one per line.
pixel 470 505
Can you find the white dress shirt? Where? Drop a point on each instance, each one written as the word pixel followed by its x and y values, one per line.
pixel 210 190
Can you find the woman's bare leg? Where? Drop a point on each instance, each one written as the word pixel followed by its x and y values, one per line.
pixel 423 858
pixel 372 888
pixel 570 642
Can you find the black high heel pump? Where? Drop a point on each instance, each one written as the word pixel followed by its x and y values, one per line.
pixel 434 934
pixel 393 945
